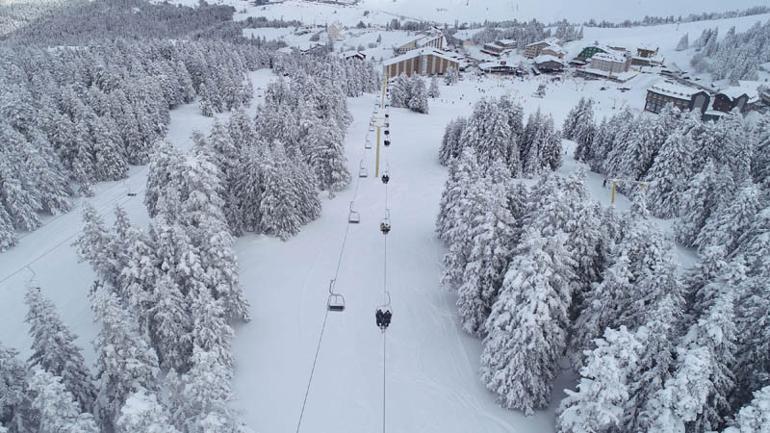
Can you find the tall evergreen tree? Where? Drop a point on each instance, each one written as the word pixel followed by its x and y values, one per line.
pixel 55 408
pixel 527 328
pixel 54 349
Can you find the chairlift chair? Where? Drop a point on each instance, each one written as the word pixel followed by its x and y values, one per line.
pixel 353 217
pixel 385 224
pixel 362 171
pixel 129 191
pixel 383 314
pixel 368 144
pixel 387 143
pixel 335 302
pixel 387 132
pixel 385 177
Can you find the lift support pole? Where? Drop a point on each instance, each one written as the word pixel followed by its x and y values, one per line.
pixel 379 128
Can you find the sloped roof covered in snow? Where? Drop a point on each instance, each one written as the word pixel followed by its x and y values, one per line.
pixel 547 41
pixel 547 58
pixel 673 90
pixel 748 88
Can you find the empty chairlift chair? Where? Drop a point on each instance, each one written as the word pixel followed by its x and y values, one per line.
pixel 353 216
pixel 368 144
pixel 335 302
pixel 362 171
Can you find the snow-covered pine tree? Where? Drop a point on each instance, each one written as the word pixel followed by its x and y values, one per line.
pixel 704 196
pixel 164 172
pixel 465 202
pixel 327 157
pixel 170 325
pixel 527 327
pixel 226 152
pixel 463 173
pixel 670 174
pixel 451 76
pixel 54 349
pixel 755 416
pixel 15 411
pixel 695 397
pixel 143 413
pixel 210 330
pixel 400 91
pixel 433 90
pixel 93 245
pixel 603 394
pixel 201 405
pixel 712 264
pixel 56 410
pixel 640 261
pixel 684 42
pixel 418 97
pixel 731 220
pixel 119 372
pixel 493 234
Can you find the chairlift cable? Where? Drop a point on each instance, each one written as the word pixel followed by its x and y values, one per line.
pixel 326 313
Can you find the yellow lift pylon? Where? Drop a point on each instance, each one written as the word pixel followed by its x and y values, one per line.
pixel 614 187
pixel 379 128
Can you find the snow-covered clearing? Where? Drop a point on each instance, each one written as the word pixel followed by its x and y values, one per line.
pixel 49 253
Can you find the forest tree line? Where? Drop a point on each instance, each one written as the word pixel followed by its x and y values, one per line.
pixel 545 274
pixel 75 116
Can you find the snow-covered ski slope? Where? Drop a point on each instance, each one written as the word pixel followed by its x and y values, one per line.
pixel 431 365
pixel 431 376
pixel 447 11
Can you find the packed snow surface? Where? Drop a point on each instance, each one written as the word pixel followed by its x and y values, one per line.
pixel 448 11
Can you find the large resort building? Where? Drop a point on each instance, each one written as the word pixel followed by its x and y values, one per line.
pixel 433 38
pixel 425 61
pixel 685 98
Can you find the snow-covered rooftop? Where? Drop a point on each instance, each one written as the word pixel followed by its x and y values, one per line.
pixel 421 52
pixel 673 90
pixel 547 58
pixel 749 88
pixel 547 41
pixel 646 46
pixel 609 57
pixel 617 76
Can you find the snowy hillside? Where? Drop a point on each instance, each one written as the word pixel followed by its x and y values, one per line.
pixel 553 259
pixel 381 11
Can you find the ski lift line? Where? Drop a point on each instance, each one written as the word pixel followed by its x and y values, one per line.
pixel 56 245
pixel 328 305
pixel 384 376
pixel 312 372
